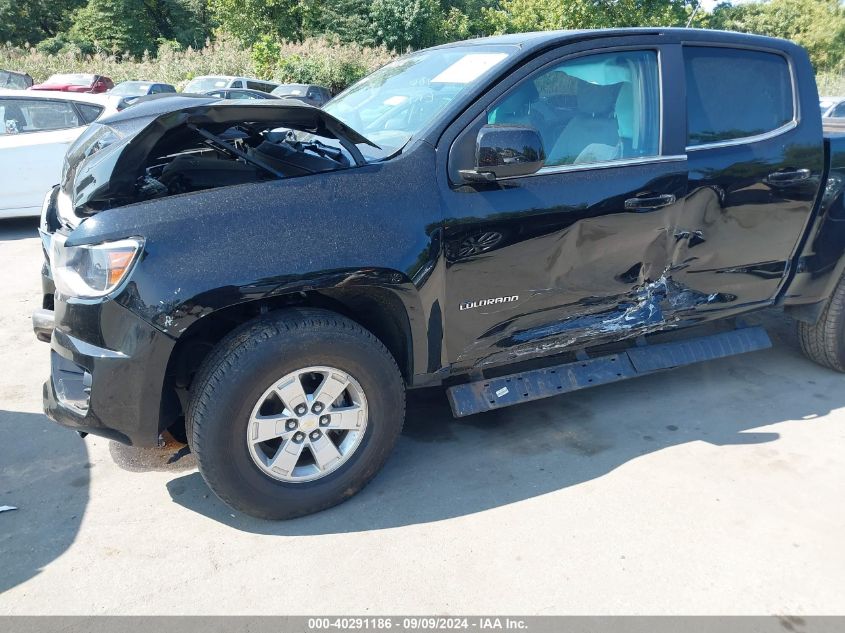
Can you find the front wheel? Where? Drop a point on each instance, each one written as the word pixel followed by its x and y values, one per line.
pixel 294 413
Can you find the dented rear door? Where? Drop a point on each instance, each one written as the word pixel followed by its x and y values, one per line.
pixel 756 163
pixel 581 252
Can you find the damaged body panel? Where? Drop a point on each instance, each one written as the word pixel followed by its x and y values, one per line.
pixel 589 263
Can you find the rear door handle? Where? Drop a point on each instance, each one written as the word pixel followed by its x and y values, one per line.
pixel 642 205
pixel 780 178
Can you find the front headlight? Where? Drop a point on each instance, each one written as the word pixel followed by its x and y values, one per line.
pixel 92 270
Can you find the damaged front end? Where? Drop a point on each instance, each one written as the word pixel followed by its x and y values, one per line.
pixel 186 144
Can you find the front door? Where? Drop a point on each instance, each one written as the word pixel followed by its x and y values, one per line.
pixel 579 252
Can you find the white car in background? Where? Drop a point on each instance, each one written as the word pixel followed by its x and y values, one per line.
pixel 36 129
pixel 207 83
pixel 832 107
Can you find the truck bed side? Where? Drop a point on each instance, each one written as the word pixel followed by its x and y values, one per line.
pixel 822 257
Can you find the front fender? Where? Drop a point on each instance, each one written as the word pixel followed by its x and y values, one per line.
pixel 210 250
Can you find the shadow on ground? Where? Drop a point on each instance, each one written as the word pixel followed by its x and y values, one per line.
pixel 19 228
pixel 444 468
pixel 45 473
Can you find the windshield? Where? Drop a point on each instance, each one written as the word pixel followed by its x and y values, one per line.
pixel 72 80
pixel 204 84
pixel 130 88
pixel 13 80
pixel 394 103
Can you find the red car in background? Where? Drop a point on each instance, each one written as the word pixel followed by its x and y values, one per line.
pixel 76 82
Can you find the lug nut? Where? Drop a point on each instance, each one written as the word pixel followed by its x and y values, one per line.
pixel 291 425
pixel 324 420
pixel 318 406
pixel 299 437
pixel 315 435
pixel 301 409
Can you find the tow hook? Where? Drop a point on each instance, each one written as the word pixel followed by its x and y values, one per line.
pixel 43 322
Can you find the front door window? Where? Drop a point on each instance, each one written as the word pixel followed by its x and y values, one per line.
pixel 590 109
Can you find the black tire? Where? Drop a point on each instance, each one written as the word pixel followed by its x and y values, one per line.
pixel 245 364
pixel 824 340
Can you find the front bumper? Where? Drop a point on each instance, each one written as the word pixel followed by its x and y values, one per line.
pixel 107 364
pixel 107 373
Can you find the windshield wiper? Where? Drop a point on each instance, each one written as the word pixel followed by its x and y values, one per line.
pixel 218 142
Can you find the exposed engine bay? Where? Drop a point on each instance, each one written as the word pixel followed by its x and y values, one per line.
pixel 240 155
pixel 185 144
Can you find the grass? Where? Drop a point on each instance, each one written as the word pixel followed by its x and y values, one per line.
pixel 316 60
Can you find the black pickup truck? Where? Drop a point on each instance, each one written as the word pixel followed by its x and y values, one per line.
pixel 512 218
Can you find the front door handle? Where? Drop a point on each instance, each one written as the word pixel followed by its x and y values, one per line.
pixel 781 178
pixel 645 204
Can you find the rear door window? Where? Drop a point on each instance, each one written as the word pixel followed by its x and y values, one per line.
pixel 263 86
pixel 89 111
pixel 733 94
pixel 20 116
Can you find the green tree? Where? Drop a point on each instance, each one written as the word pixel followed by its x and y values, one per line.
pixel 251 20
pixel 514 16
pixel 817 25
pixel 475 12
pixel 135 26
pixel 116 26
pixel 31 21
pixel 188 23
pixel 403 24
pixel 348 19
pixel 455 25
pixel 265 55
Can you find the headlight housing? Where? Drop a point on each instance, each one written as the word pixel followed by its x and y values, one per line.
pixel 92 270
pixel 94 139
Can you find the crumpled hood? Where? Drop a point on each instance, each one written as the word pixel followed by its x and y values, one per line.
pixel 102 167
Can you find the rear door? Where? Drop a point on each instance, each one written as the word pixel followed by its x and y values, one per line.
pixel 755 158
pixel 577 253
pixel 34 138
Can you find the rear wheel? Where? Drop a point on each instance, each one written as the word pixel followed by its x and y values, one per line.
pixel 295 412
pixel 824 340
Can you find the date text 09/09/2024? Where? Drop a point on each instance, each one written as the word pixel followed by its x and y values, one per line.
pixel 432 623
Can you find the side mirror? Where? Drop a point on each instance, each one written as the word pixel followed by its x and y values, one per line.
pixel 505 151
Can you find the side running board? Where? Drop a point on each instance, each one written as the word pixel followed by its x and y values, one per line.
pixel 496 393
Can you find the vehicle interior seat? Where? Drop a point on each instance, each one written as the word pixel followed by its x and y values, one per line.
pixel 593 133
pixel 13 112
pixel 625 119
pixel 519 108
